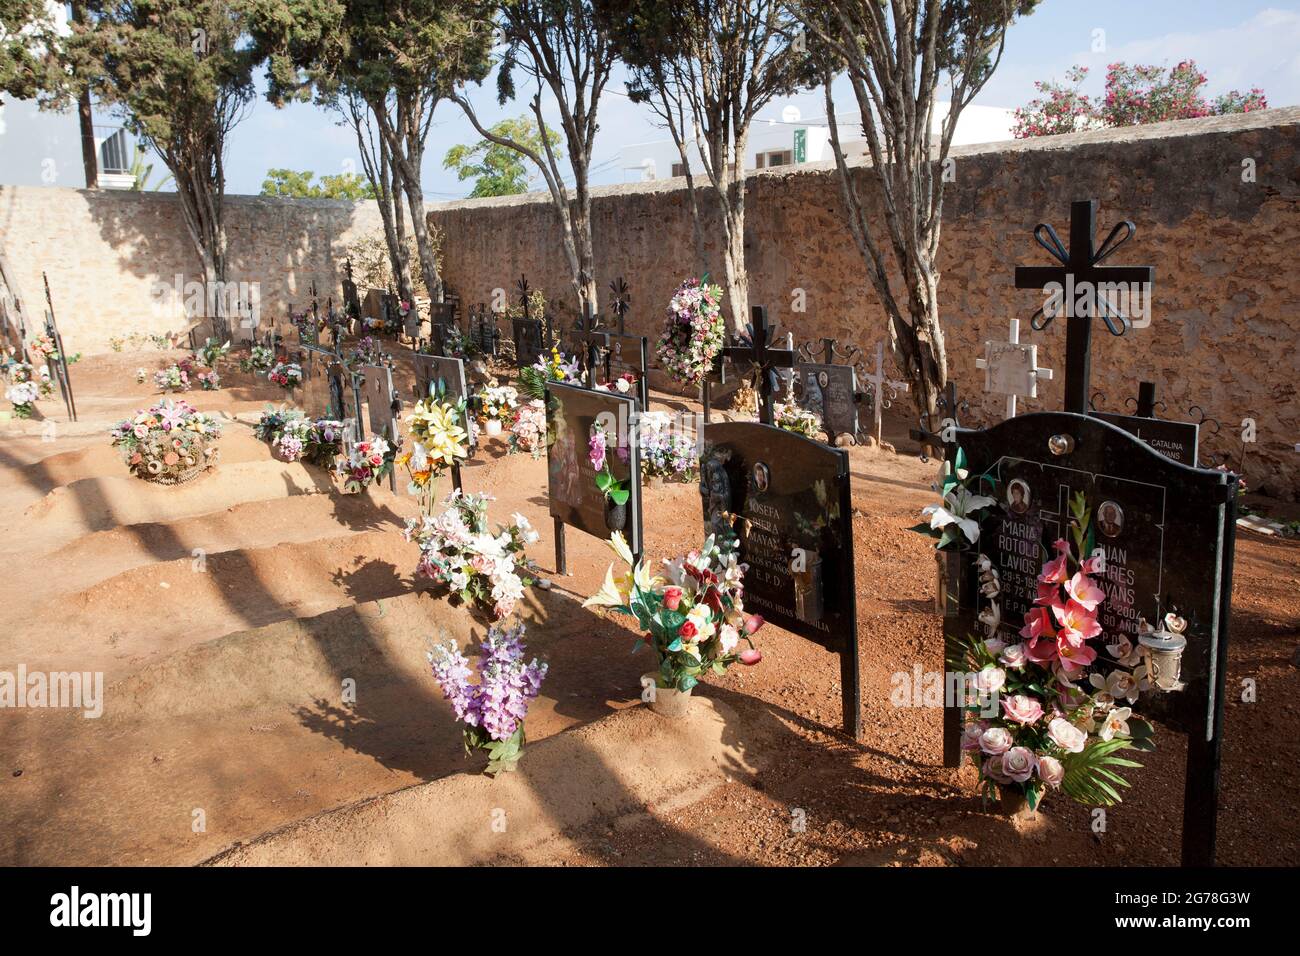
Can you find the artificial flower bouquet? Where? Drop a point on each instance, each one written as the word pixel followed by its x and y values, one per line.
pixel 528 428
pixel 1064 720
pixel 666 452
pixel 483 570
pixel 260 359
pixel 367 352
pixel 555 367
pixel 494 708
pixel 497 402
pixel 42 347
pixel 438 441
pixel 293 436
pixel 169 443
pixel 955 521
pixel 23 394
pixel 616 490
pixel 694 332
pixel 288 375
pixel 209 380
pixel 366 463
pixel 211 352
pixel 693 615
pixel 174 378
pixel 795 418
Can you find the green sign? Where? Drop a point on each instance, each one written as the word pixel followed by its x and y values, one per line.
pixel 800 145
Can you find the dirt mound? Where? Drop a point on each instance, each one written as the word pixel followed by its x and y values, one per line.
pixel 594 775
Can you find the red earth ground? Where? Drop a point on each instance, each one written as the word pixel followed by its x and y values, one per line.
pixel 225 614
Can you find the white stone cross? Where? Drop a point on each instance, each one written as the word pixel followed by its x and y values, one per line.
pixel 1011 369
pixel 879 382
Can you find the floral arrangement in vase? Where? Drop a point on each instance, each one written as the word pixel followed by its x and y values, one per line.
pixel 169 443
pixel 694 332
pixel 365 464
pixel 260 359
pixel 528 428
pixel 795 418
pixel 209 380
pixel 23 395
pixel 1064 720
pixel 288 375
pixel 494 708
pixel 616 490
pixel 693 614
pixel 367 352
pixel 480 569
pixel 496 406
pixel 666 452
pixel 438 441
pixel 295 437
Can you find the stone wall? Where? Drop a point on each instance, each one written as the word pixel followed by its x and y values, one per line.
pixel 1225 331
pixel 104 251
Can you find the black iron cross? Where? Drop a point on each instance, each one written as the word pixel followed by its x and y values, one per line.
pixel 1081 271
pixel 620 301
pixel 522 286
pixel 756 348
pixel 830 351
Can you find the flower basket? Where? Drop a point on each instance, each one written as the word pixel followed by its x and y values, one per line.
pixel 168 444
pixel 693 332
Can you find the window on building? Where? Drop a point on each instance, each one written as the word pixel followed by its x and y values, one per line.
pixel 679 169
pixel 113 154
pixel 776 157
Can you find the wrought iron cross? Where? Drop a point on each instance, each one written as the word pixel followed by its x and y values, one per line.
pixel 620 301
pixel 522 286
pixel 830 351
pixel 755 347
pixel 1081 271
pixel 1013 338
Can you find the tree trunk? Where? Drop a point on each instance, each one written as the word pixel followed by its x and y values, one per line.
pixel 85 119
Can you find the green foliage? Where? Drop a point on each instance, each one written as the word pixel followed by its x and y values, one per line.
pixel 499 170
pixel 1089 778
pixel 287 182
pixel 30 51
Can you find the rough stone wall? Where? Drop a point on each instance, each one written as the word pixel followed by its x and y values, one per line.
pixel 1225 330
pixel 104 251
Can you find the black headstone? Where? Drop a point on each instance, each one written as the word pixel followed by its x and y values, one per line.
pixel 1167 532
pixel 830 391
pixel 431 370
pixel 575 500
pixel 528 341
pixel 795 531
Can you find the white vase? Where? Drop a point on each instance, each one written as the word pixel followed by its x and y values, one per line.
pixel 492 427
pixel 667 701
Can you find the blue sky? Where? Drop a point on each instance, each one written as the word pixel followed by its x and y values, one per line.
pixel 1237 44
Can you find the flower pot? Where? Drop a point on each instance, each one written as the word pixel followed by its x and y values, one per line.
pixel 1013 803
pixel 666 701
pixel 615 515
pixel 492 427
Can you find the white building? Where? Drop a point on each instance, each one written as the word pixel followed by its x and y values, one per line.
pixel 43 147
pixel 791 140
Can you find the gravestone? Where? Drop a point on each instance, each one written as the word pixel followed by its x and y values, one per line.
pixel 529 343
pixel 573 496
pixel 794 526
pixel 382 407
pixel 1173 439
pixel 483 331
pixel 432 370
pixel 1166 530
pixel 345 396
pixel 1011 368
pixel 373 308
pixel 628 354
pixel 316 388
pixel 442 325
pixel 831 391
